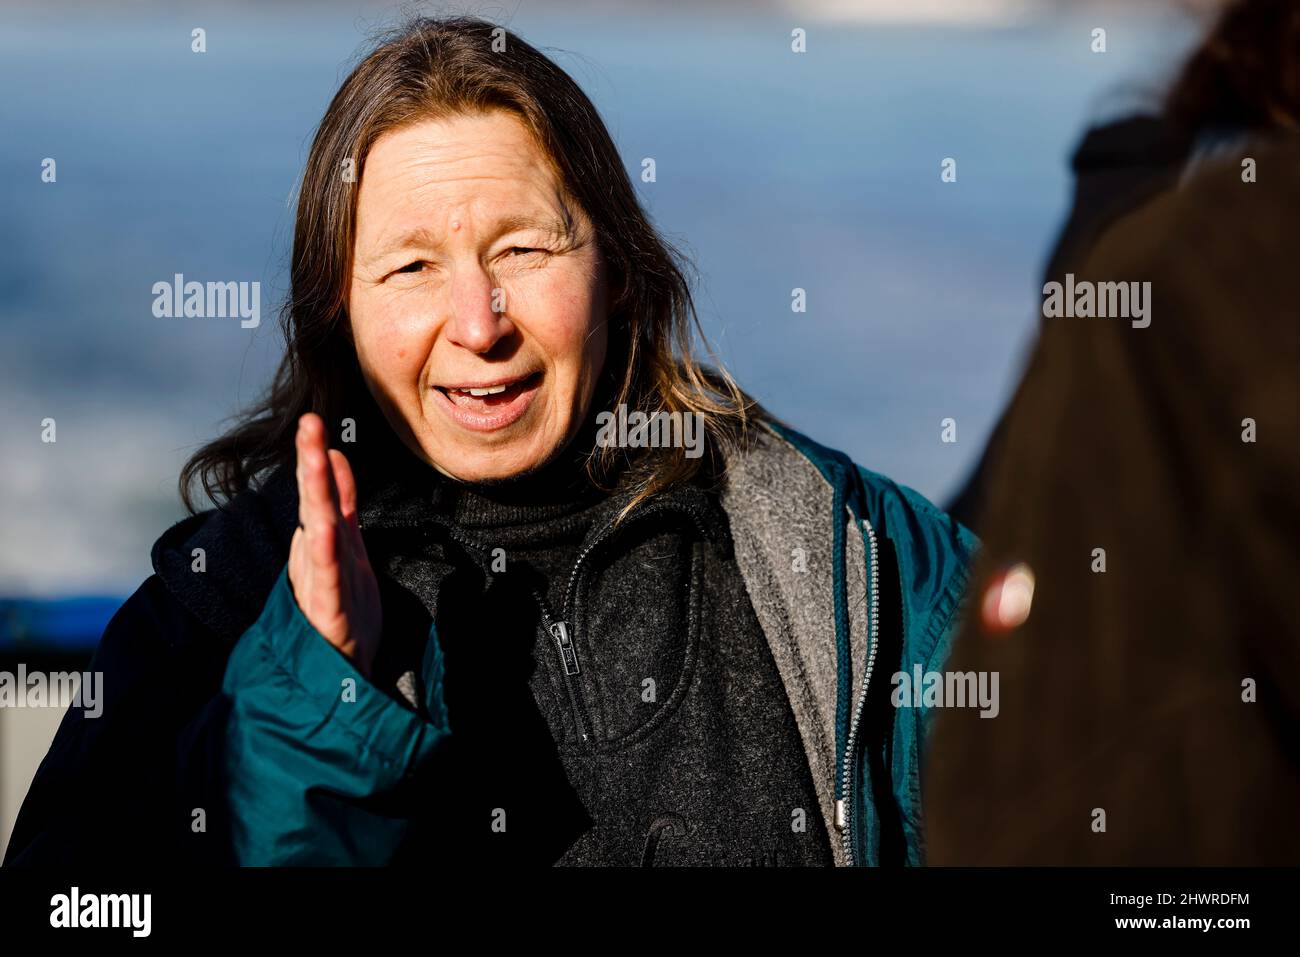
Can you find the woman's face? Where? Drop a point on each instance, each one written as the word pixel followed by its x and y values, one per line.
pixel 472 272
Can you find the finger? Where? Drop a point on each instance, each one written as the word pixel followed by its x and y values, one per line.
pixel 344 483
pixel 354 550
pixel 321 524
pixel 320 512
pixel 331 484
pixel 330 481
pixel 297 552
pixel 310 441
pixel 317 480
pixel 300 445
pixel 320 557
pixel 323 553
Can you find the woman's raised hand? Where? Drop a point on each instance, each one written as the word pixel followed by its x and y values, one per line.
pixel 332 580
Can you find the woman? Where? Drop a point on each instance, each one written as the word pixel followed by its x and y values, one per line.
pixel 443 608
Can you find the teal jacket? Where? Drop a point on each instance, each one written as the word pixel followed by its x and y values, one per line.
pixel 853 578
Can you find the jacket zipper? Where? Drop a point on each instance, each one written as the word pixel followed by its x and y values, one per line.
pixel 558 628
pixel 851 746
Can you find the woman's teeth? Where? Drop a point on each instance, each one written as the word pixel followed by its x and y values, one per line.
pixel 491 390
pixel 487 397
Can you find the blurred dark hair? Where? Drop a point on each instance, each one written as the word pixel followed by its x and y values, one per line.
pixel 1246 73
pixel 438 67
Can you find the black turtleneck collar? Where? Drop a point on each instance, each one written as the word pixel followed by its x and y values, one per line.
pixel 397 489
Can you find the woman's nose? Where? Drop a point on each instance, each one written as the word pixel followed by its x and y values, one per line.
pixel 478 312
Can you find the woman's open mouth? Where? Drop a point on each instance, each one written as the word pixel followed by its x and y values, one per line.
pixel 487 406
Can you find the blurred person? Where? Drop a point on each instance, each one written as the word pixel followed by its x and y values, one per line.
pixel 1141 519
pixel 1241 81
pixel 458 603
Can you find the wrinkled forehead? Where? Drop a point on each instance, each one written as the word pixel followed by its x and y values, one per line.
pixel 477 172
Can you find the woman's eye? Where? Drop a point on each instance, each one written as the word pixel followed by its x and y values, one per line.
pixel 412 267
pixel 525 250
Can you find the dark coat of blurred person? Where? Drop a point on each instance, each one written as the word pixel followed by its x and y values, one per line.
pixel 1241 81
pixel 1164 691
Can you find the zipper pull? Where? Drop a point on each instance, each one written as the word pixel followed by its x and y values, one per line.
pixel 568 653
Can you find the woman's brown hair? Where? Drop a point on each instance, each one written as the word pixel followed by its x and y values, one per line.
pixel 438 67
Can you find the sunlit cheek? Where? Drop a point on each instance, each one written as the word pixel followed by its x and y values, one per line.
pixel 398 332
pixel 560 304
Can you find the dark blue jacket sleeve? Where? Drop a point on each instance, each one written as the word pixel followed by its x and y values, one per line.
pixel 124 785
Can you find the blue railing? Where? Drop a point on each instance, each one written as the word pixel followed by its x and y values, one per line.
pixel 54 626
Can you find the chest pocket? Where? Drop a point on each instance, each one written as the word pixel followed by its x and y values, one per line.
pixel 633 630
